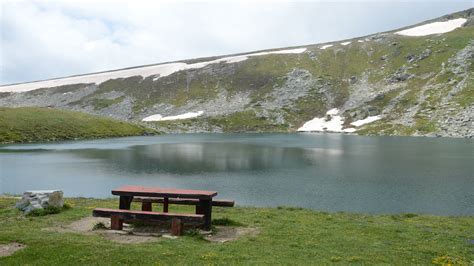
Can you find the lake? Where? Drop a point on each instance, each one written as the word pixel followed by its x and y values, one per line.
pixel 329 172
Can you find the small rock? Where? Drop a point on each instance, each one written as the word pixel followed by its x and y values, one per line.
pixel 424 54
pixel 410 58
pixel 353 79
pixel 372 111
pixel 380 96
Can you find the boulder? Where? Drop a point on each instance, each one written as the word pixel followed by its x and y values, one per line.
pixel 40 199
pixel 372 111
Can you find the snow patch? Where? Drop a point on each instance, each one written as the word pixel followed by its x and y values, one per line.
pixel 333 111
pixel 345 43
pixel 433 28
pixel 325 46
pixel 331 123
pixel 158 117
pixel 360 40
pixel 159 71
pixel 367 120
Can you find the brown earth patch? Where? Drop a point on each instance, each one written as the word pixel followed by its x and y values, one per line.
pixel 129 234
pixel 10 248
pixel 142 234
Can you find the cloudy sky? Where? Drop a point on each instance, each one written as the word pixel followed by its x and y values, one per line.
pixel 47 39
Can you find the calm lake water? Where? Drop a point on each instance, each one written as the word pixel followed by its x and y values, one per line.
pixel 329 172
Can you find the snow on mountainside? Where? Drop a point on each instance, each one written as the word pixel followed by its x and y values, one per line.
pixel 434 28
pixel 159 71
pixel 413 81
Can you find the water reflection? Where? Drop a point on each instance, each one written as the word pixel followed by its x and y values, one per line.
pixel 192 158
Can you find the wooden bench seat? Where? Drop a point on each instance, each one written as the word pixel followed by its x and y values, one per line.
pixel 215 203
pixel 177 219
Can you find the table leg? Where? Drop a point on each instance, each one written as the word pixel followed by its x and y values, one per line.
pixel 125 202
pixel 116 222
pixel 146 206
pixel 165 204
pixel 205 207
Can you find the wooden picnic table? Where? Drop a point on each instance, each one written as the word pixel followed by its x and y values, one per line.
pixel 204 206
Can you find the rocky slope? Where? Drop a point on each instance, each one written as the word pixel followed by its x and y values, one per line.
pixel 387 83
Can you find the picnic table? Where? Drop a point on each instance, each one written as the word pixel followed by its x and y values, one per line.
pixel 204 198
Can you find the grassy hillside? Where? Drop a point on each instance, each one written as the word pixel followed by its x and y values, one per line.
pixel 283 236
pixel 45 124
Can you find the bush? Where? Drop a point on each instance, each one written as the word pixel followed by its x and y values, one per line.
pixel 99 226
pixel 49 210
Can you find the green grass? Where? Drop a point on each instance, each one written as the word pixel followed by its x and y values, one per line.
pixel 381 127
pixel 100 103
pixel 245 121
pixel 45 124
pixel 287 236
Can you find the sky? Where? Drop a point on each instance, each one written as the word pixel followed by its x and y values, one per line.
pixel 49 39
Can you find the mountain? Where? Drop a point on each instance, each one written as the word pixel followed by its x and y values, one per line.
pixel 412 81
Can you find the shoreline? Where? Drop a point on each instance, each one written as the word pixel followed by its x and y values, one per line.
pixel 17 197
pixel 47 141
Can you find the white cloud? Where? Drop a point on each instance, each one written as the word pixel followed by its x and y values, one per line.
pixel 47 39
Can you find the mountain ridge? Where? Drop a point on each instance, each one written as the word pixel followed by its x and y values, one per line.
pixel 413 85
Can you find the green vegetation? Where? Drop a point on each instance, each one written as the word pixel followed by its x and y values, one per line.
pixel 245 121
pixel 100 103
pixel 381 127
pixel 285 236
pixel 58 89
pixel 49 210
pixel 466 96
pixel 45 124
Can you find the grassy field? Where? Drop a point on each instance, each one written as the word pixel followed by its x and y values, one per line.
pixel 45 124
pixel 286 236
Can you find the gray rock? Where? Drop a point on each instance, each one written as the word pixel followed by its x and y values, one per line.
pixel 40 199
pixel 424 54
pixel 400 75
pixel 411 58
pixel 379 96
pixel 372 111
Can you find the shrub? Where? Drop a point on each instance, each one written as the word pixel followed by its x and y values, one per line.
pixel 49 210
pixel 99 226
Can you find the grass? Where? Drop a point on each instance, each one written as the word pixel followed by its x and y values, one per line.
pixel 287 236
pixel 44 124
pixel 244 121
pixel 100 103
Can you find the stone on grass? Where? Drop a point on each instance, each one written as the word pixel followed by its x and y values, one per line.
pixel 40 199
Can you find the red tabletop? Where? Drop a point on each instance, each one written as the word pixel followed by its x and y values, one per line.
pixel 163 192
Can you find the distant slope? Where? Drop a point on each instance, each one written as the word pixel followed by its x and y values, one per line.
pixel 44 124
pixel 403 82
